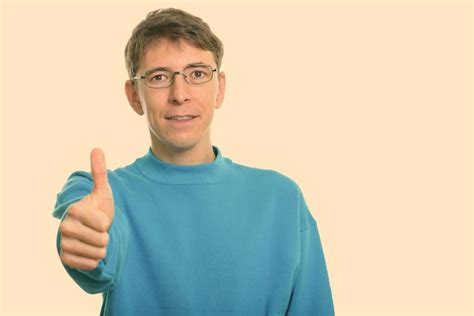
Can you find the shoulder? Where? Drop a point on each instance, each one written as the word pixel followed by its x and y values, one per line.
pixel 281 189
pixel 273 178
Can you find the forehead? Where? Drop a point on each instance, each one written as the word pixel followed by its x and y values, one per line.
pixel 173 55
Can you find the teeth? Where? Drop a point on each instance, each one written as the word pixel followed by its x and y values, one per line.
pixel 180 118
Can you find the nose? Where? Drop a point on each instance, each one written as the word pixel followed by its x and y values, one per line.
pixel 179 93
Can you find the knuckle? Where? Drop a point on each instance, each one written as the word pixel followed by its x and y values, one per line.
pixel 102 226
pixel 104 240
pixel 91 264
pixel 73 210
pixel 64 244
pixel 65 227
pixel 103 252
pixel 65 258
pixel 103 223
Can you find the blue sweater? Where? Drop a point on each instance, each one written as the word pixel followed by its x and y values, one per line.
pixel 210 239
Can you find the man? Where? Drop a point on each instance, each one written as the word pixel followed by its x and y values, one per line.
pixel 183 230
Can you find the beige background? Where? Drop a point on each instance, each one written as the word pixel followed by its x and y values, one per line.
pixel 366 105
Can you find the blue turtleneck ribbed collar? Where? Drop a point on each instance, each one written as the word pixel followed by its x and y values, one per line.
pixel 164 172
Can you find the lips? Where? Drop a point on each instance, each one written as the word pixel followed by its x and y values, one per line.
pixel 180 117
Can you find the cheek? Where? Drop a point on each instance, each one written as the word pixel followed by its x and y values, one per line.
pixel 209 97
pixel 152 116
pixel 153 105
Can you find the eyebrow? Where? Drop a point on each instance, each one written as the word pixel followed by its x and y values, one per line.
pixel 200 63
pixel 196 64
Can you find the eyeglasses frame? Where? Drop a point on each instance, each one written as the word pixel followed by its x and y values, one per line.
pixel 174 74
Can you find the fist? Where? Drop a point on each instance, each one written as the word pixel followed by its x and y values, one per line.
pixel 84 230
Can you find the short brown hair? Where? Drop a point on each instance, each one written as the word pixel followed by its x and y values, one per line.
pixel 172 24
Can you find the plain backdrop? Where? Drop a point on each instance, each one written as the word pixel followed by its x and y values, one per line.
pixel 366 105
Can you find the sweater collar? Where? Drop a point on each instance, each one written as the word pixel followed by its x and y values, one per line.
pixel 164 172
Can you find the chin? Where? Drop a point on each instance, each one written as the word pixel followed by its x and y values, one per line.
pixel 181 145
pixel 179 142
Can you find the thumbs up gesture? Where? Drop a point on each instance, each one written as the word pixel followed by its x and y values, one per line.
pixel 84 236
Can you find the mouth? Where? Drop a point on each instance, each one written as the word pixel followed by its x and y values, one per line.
pixel 181 118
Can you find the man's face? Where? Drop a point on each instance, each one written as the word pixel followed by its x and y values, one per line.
pixel 180 99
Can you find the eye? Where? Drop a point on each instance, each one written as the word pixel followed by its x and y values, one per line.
pixel 158 76
pixel 198 74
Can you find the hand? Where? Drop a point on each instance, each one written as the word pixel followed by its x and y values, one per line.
pixel 84 236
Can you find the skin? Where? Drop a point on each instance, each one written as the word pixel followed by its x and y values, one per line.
pixel 84 236
pixel 84 230
pixel 190 144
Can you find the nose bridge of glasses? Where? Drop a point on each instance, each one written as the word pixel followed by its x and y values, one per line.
pixel 173 78
pixel 175 73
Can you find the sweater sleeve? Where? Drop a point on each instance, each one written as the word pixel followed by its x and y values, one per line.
pixel 104 277
pixel 311 294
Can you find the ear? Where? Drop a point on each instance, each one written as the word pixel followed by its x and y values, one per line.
pixel 133 98
pixel 220 90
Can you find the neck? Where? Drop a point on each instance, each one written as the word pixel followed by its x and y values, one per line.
pixel 187 156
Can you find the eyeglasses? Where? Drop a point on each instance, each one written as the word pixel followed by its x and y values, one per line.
pixel 159 78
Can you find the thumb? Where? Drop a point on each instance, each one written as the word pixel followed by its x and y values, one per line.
pixel 99 174
pixel 101 194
